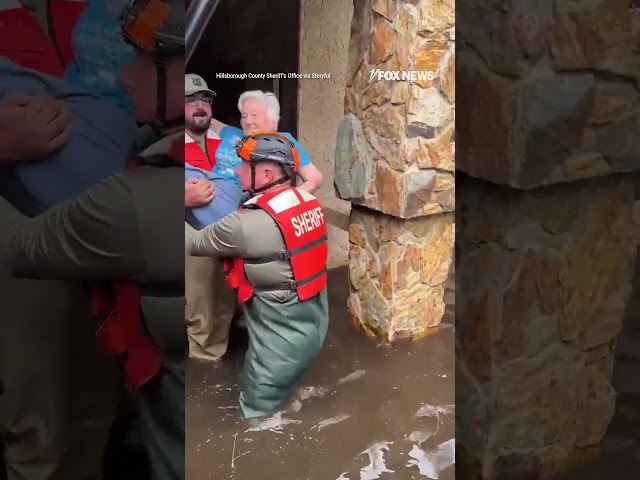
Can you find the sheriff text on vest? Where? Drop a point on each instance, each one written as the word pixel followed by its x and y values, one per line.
pixel 307 221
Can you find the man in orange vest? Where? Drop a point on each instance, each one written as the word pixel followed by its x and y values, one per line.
pixel 210 305
pixel 117 234
pixel 275 250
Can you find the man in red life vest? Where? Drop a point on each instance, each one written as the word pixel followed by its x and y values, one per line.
pixel 200 142
pixel 275 250
pixel 117 234
pixel 210 304
pixel 48 411
pixel 37 33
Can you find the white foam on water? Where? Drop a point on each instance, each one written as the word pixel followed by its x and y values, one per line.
pixel 295 405
pixel 342 476
pixel 377 464
pixel 352 376
pixel 433 462
pixel 273 424
pixel 420 437
pixel 427 410
pixel 330 421
pixel 305 393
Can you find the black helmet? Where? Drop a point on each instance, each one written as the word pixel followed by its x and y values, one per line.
pixel 272 147
pixel 155 27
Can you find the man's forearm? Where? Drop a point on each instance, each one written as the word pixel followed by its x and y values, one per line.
pixel 86 238
pixel 222 239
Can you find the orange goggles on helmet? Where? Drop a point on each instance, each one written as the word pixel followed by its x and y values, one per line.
pixel 141 25
pixel 247 145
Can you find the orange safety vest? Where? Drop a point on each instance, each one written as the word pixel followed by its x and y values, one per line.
pixel 26 43
pixel 302 223
pixel 196 157
pixel 122 334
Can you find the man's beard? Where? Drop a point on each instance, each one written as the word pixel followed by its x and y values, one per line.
pixel 198 124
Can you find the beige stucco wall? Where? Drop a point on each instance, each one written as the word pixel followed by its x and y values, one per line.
pixel 324 42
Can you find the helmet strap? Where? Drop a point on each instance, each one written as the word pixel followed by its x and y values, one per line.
pixel 254 191
pixel 161 92
pixel 161 124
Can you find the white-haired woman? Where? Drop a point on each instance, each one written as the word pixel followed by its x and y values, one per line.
pixel 259 113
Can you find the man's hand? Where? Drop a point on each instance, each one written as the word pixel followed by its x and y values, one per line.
pixel 32 127
pixel 198 193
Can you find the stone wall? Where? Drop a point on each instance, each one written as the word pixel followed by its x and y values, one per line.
pixel 552 110
pixel 553 83
pixel 395 164
pixel 537 322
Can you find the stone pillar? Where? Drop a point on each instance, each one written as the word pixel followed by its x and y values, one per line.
pixel 546 248
pixel 394 163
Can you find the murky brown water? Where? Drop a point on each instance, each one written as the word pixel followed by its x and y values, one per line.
pixel 364 409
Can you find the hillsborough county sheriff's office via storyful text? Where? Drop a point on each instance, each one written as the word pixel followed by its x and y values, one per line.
pixel 263 76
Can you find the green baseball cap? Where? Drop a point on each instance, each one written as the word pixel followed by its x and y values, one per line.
pixel 195 84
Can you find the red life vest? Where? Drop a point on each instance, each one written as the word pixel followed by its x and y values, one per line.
pixel 25 42
pixel 194 155
pixel 122 334
pixel 302 223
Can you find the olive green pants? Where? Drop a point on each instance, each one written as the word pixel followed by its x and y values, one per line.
pixel 285 336
pixel 161 403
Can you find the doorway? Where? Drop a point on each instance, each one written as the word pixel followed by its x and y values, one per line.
pixel 251 37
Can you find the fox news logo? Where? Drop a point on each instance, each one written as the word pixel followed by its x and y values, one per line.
pixel 410 75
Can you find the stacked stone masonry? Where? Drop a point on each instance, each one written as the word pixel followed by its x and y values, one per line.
pixel 540 299
pixel 394 162
pixel 548 235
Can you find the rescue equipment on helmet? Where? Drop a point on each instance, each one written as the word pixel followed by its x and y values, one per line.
pixel 270 147
pixel 156 27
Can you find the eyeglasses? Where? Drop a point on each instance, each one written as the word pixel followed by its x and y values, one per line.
pixel 193 101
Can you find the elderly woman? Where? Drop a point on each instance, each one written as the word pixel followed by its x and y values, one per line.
pixel 260 113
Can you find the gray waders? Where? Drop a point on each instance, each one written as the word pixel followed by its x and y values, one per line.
pixel 285 336
pixel 161 401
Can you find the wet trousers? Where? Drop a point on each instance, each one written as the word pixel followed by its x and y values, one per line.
pixel 210 307
pixel 285 336
pixel 161 403
pixel 58 392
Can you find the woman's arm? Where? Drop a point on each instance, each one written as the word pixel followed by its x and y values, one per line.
pixel 311 177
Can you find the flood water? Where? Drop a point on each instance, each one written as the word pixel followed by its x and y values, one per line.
pixel 363 411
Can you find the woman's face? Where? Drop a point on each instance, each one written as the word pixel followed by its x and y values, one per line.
pixel 255 119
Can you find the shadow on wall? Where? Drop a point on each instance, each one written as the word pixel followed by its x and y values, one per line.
pixel 241 39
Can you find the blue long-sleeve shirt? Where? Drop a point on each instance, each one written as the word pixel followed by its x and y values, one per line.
pixel 102 134
pixel 227 199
